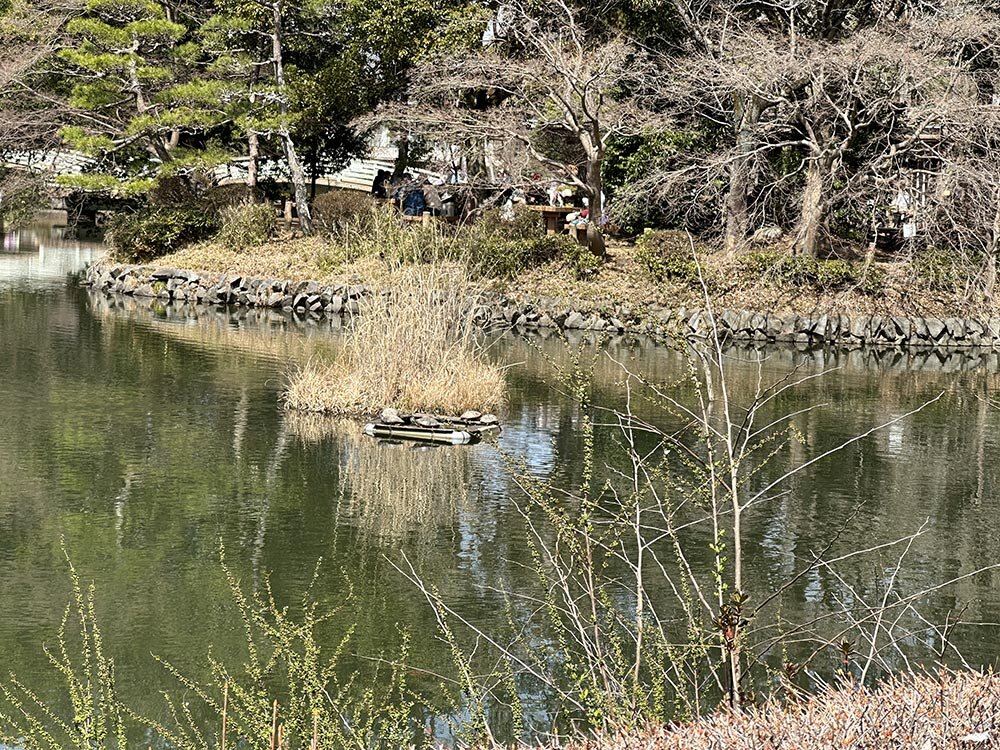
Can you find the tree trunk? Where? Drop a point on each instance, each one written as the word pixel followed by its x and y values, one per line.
pixel 813 211
pixel 299 183
pixel 313 167
pixel 747 113
pixel 595 186
pixel 402 157
pixel 736 212
pixel 298 174
pixel 253 165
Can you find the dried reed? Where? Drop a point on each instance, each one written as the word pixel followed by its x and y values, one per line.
pixel 923 712
pixel 415 349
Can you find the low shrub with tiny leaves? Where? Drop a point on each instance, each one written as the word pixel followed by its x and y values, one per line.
pixel 141 237
pixel 667 255
pixel 246 225
pixel 335 211
pixel 499 257
pixel 581 260
pixel 805 271
pixel 944 270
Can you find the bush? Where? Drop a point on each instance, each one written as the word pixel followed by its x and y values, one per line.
pixel 501 248
pixel 581 260
pixel 525 224
pixel 499 257
pixel 141 237
pixel 490 248
pixel 667 255
pixel 801 270
pixel 945 270
pixel 246 225
pixel 336 210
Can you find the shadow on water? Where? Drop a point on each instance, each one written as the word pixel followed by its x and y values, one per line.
pixel 143 434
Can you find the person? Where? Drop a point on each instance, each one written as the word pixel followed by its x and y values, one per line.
pixel 432 198
pixel 555 199
pixel 400 188
pixel 381 184
pixel 412 199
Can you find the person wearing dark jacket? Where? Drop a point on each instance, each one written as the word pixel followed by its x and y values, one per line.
pixel 413 200
pixel 380 187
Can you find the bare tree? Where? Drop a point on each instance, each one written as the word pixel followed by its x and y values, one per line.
pixel 547 93
pixel 27 118
pixel 812 107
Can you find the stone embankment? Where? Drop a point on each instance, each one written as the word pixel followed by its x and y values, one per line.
pixel 310 298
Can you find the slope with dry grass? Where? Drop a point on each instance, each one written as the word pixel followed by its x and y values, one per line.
pixel 909 712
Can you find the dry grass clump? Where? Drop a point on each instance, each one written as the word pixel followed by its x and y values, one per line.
pixel 414 349
pixel 926 712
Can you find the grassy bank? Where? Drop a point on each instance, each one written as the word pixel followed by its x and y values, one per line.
pixel 658 270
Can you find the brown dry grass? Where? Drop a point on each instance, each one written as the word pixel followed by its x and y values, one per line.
pixel 622 281
pixel 414 350
pixel 377 256
pixel 292 258
pixel 928 712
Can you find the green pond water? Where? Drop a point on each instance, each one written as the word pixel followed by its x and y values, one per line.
pixel 139 439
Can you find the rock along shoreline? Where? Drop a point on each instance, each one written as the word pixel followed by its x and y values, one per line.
pixel 313 299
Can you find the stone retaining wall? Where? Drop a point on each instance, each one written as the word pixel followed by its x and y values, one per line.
pixel 310 298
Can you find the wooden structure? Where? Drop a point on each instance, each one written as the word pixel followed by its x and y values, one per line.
pixel 554 217
pixel 447 434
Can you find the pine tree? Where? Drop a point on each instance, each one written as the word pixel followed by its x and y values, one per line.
pixel 143 108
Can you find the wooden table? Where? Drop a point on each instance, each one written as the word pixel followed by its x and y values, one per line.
pixel 554 216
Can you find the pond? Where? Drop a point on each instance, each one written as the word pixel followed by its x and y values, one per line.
pixel 140 441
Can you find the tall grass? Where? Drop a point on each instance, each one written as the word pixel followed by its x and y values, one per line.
pixel 414 349
pixel 375 245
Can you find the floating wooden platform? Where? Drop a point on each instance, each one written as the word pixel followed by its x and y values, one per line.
pixel 447 434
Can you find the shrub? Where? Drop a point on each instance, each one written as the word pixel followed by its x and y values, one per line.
pixel 500 248
pixel 499 257
pixel 944 270
pixel 246 225
pixel 525 224
pixel 581 260
pixel 667 255
pixel 140 237
pixel 490 248
pixel 336 210
pixel 801 270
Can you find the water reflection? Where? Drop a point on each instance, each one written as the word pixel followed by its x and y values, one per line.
pixel 145 433
pixel 393 489
pixel 41 257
